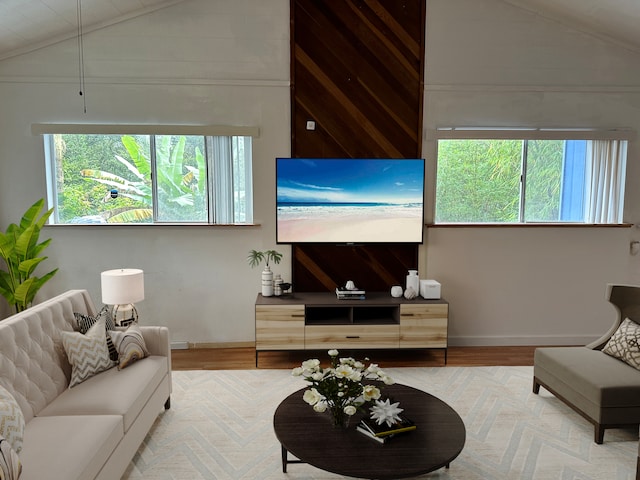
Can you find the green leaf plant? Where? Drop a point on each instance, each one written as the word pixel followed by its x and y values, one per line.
pixel 20 250
pixel 256 257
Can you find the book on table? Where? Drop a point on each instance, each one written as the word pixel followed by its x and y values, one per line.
pixel 384 430
pixel 365 431
pixel 343 293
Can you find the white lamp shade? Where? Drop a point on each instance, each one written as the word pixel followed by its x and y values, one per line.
pixel 122 286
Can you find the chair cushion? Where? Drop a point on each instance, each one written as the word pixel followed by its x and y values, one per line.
pixel 604 380
pixel 67 447
pixel 113 392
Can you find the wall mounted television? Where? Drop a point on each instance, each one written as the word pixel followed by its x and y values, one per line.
pixel 349 201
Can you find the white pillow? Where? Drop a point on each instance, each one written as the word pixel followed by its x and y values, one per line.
pixel 88 354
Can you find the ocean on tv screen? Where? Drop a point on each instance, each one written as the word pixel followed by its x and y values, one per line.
pixel 349 200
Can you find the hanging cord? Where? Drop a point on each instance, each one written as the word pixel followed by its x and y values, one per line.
pixel 81 57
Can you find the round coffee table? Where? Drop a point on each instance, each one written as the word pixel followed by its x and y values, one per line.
pixel 311 437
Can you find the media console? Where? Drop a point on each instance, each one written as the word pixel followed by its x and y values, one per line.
pixel 314 321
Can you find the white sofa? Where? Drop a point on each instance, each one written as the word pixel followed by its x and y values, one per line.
pixel 90 431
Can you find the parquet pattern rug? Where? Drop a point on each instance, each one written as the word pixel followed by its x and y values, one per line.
pixel 220 427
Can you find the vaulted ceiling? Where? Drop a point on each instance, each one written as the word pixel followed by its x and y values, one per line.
pixel 26 25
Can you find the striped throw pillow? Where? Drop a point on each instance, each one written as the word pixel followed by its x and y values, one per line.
pixel 130 345
pixel 10 466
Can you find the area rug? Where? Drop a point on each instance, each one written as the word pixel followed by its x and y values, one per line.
pixel 220 427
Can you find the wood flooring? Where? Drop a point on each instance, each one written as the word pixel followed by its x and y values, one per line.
pixel 244 358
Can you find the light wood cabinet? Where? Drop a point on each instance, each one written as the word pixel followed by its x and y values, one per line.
pixel 280 327
pixel 315 321
pixel 424 326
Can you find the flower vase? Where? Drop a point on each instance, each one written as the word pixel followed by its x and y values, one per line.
pixel 267 282
pixel 339 419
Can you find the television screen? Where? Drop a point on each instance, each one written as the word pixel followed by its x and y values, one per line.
pixel 321 200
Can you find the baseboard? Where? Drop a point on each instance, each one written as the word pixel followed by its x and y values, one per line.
pixel 219 344
pixel 179 345
pixel 520 341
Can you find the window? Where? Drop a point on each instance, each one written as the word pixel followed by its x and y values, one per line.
pixel 149 178
pixel 505 180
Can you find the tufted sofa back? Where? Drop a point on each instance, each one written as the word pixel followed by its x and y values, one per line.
pixel 33 364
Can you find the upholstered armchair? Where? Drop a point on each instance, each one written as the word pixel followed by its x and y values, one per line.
pixel 603 387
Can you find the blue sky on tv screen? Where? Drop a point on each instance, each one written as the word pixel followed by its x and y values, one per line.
pixel 349 181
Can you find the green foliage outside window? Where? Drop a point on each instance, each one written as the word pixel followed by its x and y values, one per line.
pixel 479 181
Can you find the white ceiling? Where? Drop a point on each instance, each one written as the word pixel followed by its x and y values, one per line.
pixel 26 25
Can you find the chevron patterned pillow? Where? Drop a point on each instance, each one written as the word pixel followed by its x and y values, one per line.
pixel 85 322
pixel 10 466
pixel 624 344
pixel 88 354
pixel 11 420
pixel 130 345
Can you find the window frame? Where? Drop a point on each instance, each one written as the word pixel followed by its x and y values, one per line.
pixel 209 132
pixel 525 133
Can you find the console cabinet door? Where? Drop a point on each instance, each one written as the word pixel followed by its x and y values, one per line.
pixel 280 327
pixel 423 326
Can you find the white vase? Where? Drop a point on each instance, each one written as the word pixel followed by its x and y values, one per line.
pixel 267 282
pixel 413 281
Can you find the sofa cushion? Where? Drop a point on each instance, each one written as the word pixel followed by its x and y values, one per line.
pixel 624 345
pixel 88 354
pixel 593 374
pixel 85 321
pixel 130 345
pixel 113 392
pixel 69 447
pixel 10 466
pixel 11 420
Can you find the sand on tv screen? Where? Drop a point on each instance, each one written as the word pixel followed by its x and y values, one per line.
pixel 349 200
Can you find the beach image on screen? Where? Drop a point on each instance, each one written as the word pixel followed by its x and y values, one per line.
pixel 349 200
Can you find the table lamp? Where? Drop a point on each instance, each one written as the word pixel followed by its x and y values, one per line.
pixel 122 288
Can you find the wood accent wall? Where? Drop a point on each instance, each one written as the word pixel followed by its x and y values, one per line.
pixel 357 71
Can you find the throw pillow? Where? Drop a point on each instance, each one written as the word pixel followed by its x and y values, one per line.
pixel 87 354
pixel 624 343
pixel 10 466
pixel 130 345
pixel 11 420
pixel 85 322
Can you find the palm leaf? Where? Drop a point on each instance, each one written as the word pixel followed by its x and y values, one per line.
pixel 132 216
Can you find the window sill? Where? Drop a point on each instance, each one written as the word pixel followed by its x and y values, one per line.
pixel 165 224
pixel 529 225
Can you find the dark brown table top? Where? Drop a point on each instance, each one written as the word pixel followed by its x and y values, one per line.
pixel 310 436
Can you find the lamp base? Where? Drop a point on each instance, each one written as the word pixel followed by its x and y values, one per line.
pixel 124 315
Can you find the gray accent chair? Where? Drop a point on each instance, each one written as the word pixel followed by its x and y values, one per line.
pixel 601 388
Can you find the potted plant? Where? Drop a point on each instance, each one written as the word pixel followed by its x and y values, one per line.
pixel 20 250
pixel 255 258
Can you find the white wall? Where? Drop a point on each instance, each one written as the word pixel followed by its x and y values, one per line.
pixel 491 64
pixel 227 62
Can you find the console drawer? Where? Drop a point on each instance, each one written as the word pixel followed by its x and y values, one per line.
pixel 320 337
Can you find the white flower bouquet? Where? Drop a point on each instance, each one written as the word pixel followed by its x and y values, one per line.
pixel 340 388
